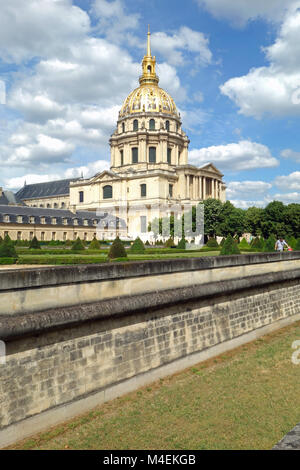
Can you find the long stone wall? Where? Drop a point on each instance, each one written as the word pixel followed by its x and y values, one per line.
pixel 64 360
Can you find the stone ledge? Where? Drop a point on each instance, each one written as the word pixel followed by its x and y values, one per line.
pixel 14 279
pixel 33 323
pixel 291 441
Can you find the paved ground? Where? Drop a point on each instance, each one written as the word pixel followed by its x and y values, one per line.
pixel 291 441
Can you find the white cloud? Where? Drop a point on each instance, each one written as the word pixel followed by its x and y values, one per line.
pixel 291 155
pixel 88 170
pixel 244 204
pixel 274 89
pixel 17 182
pixel 239 12
pixel 290 182
pixel 247 188
pixel 30 29
pixel 37 151
pixel 288 198
pixel 172 47
pixel 113 19
pixel 243 155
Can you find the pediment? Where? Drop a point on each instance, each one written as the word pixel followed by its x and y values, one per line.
pixel 211 167
pixel 105 175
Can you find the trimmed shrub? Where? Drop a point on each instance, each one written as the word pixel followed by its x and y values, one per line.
pixel 230 247
pixel 243 244
pixel 222 241
pixel 34 244
pixel 95 244
pixel 7 249
pixel 77 245
pixel 258 243
pixel 169 243
pixel 137 246
pixel 182 244
pixel 212 243
pixel 270 244
pixel 117 250
pixel 147 243
pixel 4 261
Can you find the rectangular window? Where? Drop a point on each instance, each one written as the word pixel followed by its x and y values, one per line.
pixel 81 196
pixel 135 155
pixel 19 236
pixel 122 157
pixel 152 154
pixel 31 236
pixel 169 156
pixel 143 224
pixel 170 190
pixel 42 236
pixel 53 236
pixel 143 190
pixel 65 236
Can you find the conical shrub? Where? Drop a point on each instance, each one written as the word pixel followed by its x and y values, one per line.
pixel 34 244
pixel 78 245
pixel 7 249
pixel 95 244
pixel 270 244
pixel 243 244
pixel 117 250
pixel 137 246
pixel 182 244
pixel 230 247
pixel 212 243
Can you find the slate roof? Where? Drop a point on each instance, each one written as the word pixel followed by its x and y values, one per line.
pixel 59 214
pixel 49 189
pixel 8 197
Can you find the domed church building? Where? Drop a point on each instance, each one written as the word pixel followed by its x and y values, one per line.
pixel 149 161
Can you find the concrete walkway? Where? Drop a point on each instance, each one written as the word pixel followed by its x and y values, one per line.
pixel 291 441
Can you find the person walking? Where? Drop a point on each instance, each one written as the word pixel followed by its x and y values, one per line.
pixel 280 244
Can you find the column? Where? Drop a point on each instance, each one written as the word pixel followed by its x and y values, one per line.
pixel 200 187
pixel 187 186
pixel 204 188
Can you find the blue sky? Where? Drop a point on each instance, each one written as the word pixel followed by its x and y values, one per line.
pixel 233 68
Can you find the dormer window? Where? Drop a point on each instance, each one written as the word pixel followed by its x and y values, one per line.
pixel 31 220
pixel 75 221
pixel 53 221
pixel 6 218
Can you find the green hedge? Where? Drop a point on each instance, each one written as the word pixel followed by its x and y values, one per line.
pixel 53 260
pixel 8 261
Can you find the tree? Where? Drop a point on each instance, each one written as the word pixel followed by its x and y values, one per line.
pixel 117 250
pixel 253 220
pixel 213 209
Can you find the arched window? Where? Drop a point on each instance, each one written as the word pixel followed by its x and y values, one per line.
pixel 152 125
pixel 143 190
pixel 149 68
pixel 135 125
pixel 107 192
pixel 167 126
pixel 123 127
pixel 152 154
pixel 169 156
pixel 135 155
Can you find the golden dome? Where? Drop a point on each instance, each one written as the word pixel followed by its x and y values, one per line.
pixel 149 97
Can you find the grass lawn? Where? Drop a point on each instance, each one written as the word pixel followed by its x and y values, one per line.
pixel 58 259
pixel 245 399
